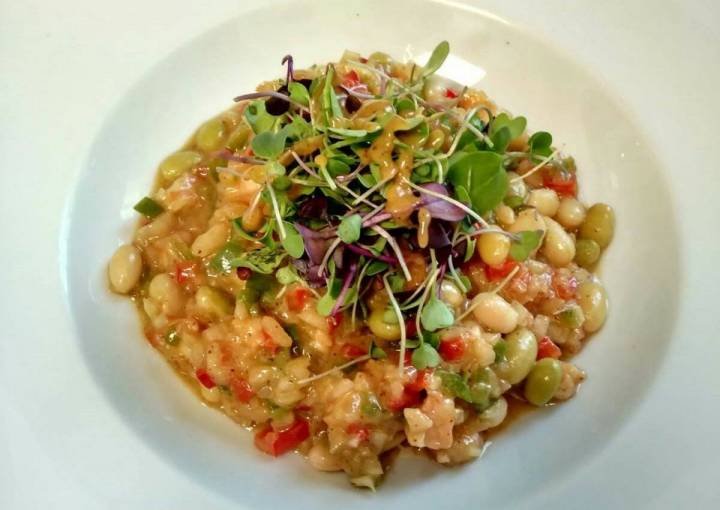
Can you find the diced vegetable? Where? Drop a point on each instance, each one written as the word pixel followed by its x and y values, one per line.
pixel 148 207
pixel 497 273
pixel 204 378
pixel 276 443
pixel 297 297
pixel 452 349
pixel 241 389
pixel 548 349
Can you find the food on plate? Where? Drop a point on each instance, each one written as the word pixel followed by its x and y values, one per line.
pixel 364 255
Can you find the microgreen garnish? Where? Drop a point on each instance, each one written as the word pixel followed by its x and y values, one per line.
pixel 330 177
pixel 524 244
pixel 349 229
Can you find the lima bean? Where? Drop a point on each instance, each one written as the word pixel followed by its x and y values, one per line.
pixel 599 225
pixel 543 381
pixel 178 163
pixel 587 252
pixel 211 135
pixel 519 356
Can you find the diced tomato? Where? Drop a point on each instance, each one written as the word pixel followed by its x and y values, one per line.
pixel 153 336
pixel 421 382
pixel 269 345
pixel 359 431
pixel 249 152
pixel 244 273
pixel 409 398
pixel 410 327
pixel 351 351
pixel 296 298
pixel 334 321
pixel 351 79
pixel 563 187
pixel 185 271
pixel 565 287
pixel 204 378
pixel 452 349
pixel 494 273
pixel 450 94
pixel 241 389
pixel 278 442
pixel 548 349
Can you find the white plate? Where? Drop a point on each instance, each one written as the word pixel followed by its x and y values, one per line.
pixel 97 416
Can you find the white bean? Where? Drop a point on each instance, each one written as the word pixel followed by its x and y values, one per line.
pixel 558 247
pixel 545 200
pixel 451 294
pixel 494 313
pixel 209 242
pixel 504 215
pixel 125 268
pixel 275 331
pixel 593 301
pixel 493 248
pixel 571 213
pixel 166 292
pixel 321 459
pixel 528 219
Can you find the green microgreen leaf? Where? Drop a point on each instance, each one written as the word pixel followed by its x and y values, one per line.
pixel 541 143
pixel 148 207
pixel 298 129
pixel 404 104
pixel 336 167
pixel 269 145
pixel 287 275
pixel 350 228
pixel 436 314
pixel 299 93
pixel 397 282
pixel 376 267
pixel 425 356
pixel 264 260
pixel 352 133
pixel 437 57
pixel 293 241
pixel 377 352
pixel 482 177
pixel 526 242
pixel 469 249
pixel 281 183
pixel 258 118
pixel 504 129
pixel 329 101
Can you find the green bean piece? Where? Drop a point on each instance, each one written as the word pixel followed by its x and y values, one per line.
pixel 543 381
pixel 148 207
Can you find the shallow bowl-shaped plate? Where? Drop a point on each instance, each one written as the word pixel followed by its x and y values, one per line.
pixel 524 75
